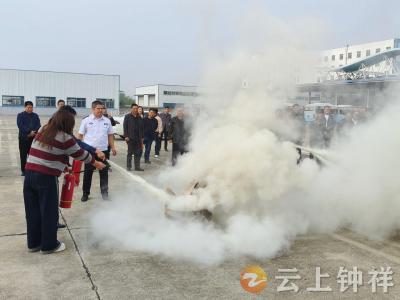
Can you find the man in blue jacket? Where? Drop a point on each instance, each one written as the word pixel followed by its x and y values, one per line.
pixel 28 124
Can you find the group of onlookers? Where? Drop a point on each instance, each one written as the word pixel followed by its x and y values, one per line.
pixel 326 125
pixel 140 131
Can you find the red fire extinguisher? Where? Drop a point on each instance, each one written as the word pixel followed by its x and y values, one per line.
pixel 76 170
pixel 67 191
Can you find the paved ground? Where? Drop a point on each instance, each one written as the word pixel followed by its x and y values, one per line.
pixel 85 271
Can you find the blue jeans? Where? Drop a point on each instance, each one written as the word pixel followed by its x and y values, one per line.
pixel 41 210
pixel 147 144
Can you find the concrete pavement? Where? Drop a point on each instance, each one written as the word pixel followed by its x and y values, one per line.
pixel 88 271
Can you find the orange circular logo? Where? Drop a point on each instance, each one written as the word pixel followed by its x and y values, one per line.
pixel 253 279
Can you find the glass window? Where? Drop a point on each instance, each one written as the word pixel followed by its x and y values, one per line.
pixel 178 93
pixel 378 50
pixel 13 100
pixel 358 54
pixel 45 101
pixel 368 52
pixel 108 102
pixel 388 48
pixel 152 100
pixel 333 57
pixel 349 55
pixel 141 100
pixel 341 56
pixel 76 102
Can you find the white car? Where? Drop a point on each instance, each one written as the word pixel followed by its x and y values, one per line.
pixel 119 127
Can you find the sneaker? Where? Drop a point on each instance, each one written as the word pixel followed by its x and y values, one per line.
pixel 105 196
pixel 147 162
pixel 85 198
pixel 156 156
pixel 139 169
pixel 129 168
pixel 59 248
pixel 61 225
pixel 36 249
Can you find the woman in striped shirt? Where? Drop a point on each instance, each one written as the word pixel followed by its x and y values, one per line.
pixel 48 158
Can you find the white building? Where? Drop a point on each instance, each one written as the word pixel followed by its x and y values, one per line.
pixel 339 57
pixel 45 88
pixel 162 95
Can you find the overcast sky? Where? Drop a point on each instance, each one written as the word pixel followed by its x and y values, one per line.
pixel 155 41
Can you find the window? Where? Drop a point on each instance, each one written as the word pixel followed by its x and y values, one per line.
pixel 152 100
pixel 140 100
pixel 378 50
pixel 349 55
pixel 341 56
pixel 178 93
pixel 333 57
pixel 358 54
pixel 368 52
pixel 13 100
pixel 76 102
pixel 388 48
pixel 109 103
pixel 45 101
pixel 326 58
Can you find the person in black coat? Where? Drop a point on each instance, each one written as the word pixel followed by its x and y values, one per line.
pixel 150 126
pixel 178 134
pixel 28 124
pixel 327 125
pixel 133 133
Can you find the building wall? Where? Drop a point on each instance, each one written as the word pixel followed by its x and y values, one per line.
pixel 161 95
pixel 32 84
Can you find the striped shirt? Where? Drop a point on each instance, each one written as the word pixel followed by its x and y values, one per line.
pixel 52 161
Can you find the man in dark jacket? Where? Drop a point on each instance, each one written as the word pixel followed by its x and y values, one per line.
pixel 178 133
pixel 327 125
pixel 166 120
pixel 28 124
pixel 107 115
pixel 150 126
pixel 133 133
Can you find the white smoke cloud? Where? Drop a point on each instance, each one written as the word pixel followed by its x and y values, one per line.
pixel 260 197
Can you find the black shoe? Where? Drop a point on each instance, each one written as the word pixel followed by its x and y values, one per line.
pixel 129 168
pixel 23 173
pixel 61 225
pixel 147 162
pixel 85 198
pixel 139 169
pixel 105 196
pixel 166 150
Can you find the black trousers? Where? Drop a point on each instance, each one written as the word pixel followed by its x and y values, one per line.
pixel 134 148
pixel 157 147
pixel 177 149
pixel 41 210
pixel 164 136
pixel 24 147
pixel 88 174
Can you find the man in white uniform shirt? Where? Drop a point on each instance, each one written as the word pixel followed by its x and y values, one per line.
pixel 96 130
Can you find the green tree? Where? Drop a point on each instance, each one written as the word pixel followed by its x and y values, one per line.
pixel 125 100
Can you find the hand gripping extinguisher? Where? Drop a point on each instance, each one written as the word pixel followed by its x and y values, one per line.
pixel 67 191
